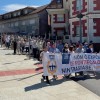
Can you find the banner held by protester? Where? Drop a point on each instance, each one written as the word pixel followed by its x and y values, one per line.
pixel 60 64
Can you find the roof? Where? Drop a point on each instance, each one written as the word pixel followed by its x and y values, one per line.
pixel 54 4
pixel 35 10
pixel 19 10
pixel 38 9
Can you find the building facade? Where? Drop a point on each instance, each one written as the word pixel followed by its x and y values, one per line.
pixel 90 27
pixel 27 20
pixel 58 18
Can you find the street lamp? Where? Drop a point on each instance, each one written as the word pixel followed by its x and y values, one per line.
pixel 80 16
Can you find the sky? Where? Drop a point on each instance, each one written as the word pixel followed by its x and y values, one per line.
pixel 11 5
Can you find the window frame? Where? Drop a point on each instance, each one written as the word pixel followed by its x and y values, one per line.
pixel 78 26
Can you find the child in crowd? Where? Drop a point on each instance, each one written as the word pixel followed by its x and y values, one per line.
pixel 45 50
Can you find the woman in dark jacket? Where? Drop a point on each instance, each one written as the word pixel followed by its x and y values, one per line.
pixel 65 49
pixel 90 49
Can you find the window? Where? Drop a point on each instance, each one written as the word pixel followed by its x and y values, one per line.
pixel 14 14
pixel 79 5
pixel 9 25
pixel 12 24
pixel 58 1
pixel 23 29
pixel 16 23
pixel 78 30
pixel 60 32
pixel 9 15
pixel 18 13
pixel 26 11
pixel 6 16
pixel 60 18
pixel 32 21
pixel 23 22
pixel 3 26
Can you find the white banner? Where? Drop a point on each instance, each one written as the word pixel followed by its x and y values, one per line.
pixel 60 64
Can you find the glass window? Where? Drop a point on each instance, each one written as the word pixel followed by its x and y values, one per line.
pixel 26 11
pixel 32 21
pixel 3 26
pixel 60 18
pixel 12 24
pixel 9 15
pixel 9 25
pixel 16 23
pixel 79 5
pixel 18 13
pixel 78 30
pixel 23 22
pixel 60 32
pixel 14 14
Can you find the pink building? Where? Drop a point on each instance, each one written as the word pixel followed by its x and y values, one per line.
pixel 90 21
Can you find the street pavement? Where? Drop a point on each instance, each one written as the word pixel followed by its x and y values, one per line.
pixel 90 82
pixel 20 79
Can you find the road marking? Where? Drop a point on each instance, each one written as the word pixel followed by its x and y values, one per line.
pixel 21 72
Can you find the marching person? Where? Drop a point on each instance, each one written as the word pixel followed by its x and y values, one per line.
pixel 27 46
pixel 18 46
pixel 65 49
pixel 45 50
pixel 90 48
pixel 8 41
pixel 80 50
pixel 15 46
pixel 54 49
pixel 22 45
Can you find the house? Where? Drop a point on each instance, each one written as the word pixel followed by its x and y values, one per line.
pixel 90 28
pixel 58 19
pixel 27 20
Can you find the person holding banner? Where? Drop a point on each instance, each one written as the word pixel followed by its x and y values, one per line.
pixel 69 50
pixel 80 50
pixel 45 50
pixel 65 49
pixel 54 49
pixel 90 49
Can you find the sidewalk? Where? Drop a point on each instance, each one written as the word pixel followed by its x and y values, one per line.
pixel 21 81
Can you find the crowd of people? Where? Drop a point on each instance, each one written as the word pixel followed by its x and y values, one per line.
pixel 24 44
pixel 59 47
pixel 36 46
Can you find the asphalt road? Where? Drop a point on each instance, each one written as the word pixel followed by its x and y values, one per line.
pixel 90 81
